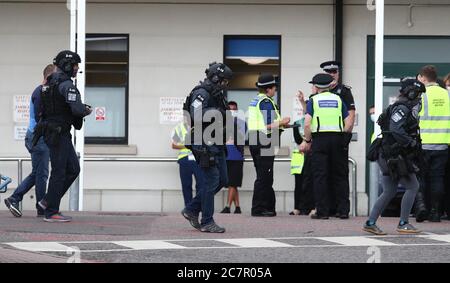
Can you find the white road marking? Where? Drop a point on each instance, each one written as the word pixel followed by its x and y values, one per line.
pixel 442 238
pixel 238 243
pixel 254 243
pixel 357 241
pixel 148 245
pixel 40 246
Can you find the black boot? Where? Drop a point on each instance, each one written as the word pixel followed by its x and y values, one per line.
pixel 435 215
pixel 421 209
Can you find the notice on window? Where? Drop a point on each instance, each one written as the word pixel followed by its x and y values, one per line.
pixel 20 132
pixel 171 110
pixel 100 113
pixel 21 108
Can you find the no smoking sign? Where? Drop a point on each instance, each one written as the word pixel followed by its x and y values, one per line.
pixel 100 113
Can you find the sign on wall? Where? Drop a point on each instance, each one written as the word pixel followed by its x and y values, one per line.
pixel 21 108
pixel 171 110
pixel 20 132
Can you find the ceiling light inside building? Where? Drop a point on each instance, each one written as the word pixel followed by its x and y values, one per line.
pixel 254 60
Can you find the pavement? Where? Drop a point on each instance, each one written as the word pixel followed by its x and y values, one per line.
pixel 145 237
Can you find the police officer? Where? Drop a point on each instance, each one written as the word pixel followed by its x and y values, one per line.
pixel 398 155
pixel 345 93
pixel 208 100
pixel 435 134
pixel 62 108
pixel 263 120
pixel 300 167
pixel 326 122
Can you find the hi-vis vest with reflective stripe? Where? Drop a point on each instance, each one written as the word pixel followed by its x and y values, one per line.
pixel 435 116
pixel 181 132
pixel 297 162
pixel 255 116
pixel 327 115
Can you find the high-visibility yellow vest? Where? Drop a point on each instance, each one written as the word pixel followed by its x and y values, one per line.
pixel 372 138
pixel 297 162
pixel 327 116
pixel 435 116
pixel 255 116
pixel 181 132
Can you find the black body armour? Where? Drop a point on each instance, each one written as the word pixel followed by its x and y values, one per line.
pixel 55 109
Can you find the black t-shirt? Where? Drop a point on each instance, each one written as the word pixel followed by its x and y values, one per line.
pixel 345 93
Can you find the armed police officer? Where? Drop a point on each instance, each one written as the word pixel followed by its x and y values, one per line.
pixel 399 155
pixel 62 108
pixel 207 108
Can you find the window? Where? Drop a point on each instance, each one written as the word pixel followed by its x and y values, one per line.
pixel 107 61
pixel 248 57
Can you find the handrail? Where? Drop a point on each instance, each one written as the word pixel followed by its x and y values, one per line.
pixel 20 161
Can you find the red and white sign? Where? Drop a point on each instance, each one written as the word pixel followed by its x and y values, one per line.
pixel 171 110
pixel 100 113
pixel 21 108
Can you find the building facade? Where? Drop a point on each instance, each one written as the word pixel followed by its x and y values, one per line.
pixel 160 49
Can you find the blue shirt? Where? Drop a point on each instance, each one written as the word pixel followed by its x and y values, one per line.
pixel 35 104
pixel 266 108
pixel 310 109
pixel 235 152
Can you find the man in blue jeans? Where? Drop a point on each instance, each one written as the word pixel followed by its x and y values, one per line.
pixel 39 157
pixel 186 160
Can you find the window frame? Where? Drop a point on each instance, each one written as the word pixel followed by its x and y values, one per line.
pixel 114 140
pixel 256 36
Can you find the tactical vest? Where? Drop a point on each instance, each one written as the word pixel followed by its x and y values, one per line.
pixel 55 107
pixel 411 125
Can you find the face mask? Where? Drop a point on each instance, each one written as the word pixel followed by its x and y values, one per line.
pixel 372 117
pixel 233 113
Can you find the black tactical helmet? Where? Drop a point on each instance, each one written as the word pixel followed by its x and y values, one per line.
pixel 411 88
pixel 217 72
pixel 65 60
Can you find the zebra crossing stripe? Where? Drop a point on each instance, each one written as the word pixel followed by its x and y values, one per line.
pixel 356 241
pixel 254 243
pixel 148 245
pixel 441 238
pixel 40 246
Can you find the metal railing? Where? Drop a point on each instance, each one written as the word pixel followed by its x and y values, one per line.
pixel 20 161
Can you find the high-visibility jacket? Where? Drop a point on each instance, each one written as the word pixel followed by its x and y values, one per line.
pixel 435 116
pixel 256 120
pixel 181 132
pixel 297 162
pixel 327 116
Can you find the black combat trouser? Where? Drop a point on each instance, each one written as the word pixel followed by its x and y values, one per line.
pixel 65 169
